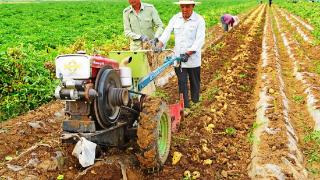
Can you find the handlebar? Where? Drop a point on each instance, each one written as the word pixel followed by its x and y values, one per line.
pixel 143 50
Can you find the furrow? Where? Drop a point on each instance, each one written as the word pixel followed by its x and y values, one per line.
pixel 305 36
pixel 306 25
pixel 310 81
pixel 275 152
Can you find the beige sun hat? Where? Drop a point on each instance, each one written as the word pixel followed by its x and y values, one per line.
pixel 187 2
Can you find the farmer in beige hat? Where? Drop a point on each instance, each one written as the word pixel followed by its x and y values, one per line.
pixel 189 33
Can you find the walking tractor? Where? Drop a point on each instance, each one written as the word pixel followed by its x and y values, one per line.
pixel 105 103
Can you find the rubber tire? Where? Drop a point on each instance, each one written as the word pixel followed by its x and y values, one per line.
pixel 148 134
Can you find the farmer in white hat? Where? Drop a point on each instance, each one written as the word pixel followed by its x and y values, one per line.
pixel 189 33
pixel 228 21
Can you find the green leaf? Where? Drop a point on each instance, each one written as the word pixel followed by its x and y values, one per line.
pixel 60 177
pixel 231 131
pixel 8 158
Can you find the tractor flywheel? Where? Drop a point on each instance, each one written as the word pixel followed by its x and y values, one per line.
pixel 110 97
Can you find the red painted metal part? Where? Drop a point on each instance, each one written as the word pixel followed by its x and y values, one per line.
pixel 99 61
pixel 176 114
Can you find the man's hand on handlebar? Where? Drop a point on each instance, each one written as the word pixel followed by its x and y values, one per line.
pixel 184 57
pixel 158 47
pixel 154 42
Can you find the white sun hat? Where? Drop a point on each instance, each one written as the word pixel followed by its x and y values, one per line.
pixel 236 20
pixel 187 2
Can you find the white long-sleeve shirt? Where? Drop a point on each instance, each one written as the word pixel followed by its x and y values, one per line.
pixel 189 36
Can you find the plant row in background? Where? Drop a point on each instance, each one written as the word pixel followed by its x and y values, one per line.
pixel 310 11
pixel 33 34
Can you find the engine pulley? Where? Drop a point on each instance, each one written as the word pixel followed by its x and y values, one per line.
pixel 110 97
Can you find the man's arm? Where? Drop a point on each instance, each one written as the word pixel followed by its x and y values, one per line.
pixel 166 33
pixel 158 23
pixel 200 36
pixel 127 27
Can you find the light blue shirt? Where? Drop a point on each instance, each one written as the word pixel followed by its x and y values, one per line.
pixel 189 36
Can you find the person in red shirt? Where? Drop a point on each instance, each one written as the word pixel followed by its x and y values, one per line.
pixel 229 20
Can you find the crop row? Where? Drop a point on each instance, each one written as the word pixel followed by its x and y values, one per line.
pixel 308 10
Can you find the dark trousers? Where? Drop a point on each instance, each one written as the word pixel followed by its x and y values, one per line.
pixel 194 78
pixel 224 25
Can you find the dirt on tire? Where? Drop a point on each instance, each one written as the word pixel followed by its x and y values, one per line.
pixel 148 134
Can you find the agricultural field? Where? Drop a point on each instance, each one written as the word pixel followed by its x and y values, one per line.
pixel 33 34
pixel 259 113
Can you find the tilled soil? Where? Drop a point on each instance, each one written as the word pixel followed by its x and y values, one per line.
pixel 298 57
pixel 247 124
pixel 227 103
pixel 274 139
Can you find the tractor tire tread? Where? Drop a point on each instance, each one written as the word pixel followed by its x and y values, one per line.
pixel 148 133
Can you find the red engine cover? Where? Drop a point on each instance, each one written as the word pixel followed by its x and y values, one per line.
pixel 100 61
